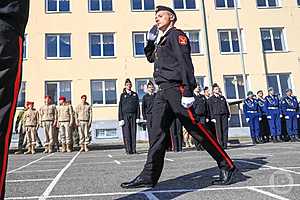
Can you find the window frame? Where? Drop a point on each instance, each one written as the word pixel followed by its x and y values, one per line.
pixel 226 7
pixel 235 77
pixel 144 79
pixel 279 83
pixel 105 131
pixel 103 81
pixel 101 40
pixel 58 46
pixel 133 42
pixel 143 7
pixel 184 6
pixel 268 6
pixel 229 31
pixel 23 84
pixel 101 10
pixel 57 7
pixel 201 48
pixel 25 43
pixel 58 88
pixel 283 37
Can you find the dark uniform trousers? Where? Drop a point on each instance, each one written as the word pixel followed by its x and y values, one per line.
pixel 129 132
pixel 149 126
pixel 167 106
pixel 176 135
pixel 222 129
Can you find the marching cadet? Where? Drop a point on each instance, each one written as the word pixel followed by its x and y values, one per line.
pixel 65 119
pixel 48 120
pixel 174 74
pixel 263 124
pixel 290 109
pixel 147 104
pixel 129 116
pixel 83 113
pixel 19 129
pixel 220 114
pixel 253 117
pixel 31 121
pixel 274 115
pixel 201 111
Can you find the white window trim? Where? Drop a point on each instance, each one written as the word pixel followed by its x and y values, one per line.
pixel 187 32
pixel 235 84
pixel 143 7
pixel 298 4
pixel 184 7
pixel 101 41
pixel 226 5
pixel 22 82
pixel 268 6
pixel 57 47
pixel 58 88
pixel 104 104
pixel 230 41
pixel 26 43
pixel 101 8
pixel 145 41
pixel 278 81
pixel 105 131
pixel 57 7
pixel 284 38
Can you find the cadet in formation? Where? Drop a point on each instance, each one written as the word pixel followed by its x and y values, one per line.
pixel 263 124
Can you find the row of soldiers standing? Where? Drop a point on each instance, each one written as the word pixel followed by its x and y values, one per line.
pixel 51 118
pixel 265 115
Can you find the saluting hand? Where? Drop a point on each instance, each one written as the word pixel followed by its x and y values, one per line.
pixel 152 33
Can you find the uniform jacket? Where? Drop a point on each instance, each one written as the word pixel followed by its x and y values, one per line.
pixel 272 104
pixel 65 113
pixel 129 103
pixel 31 117
pixel 147 104
pixel 289 105
pixel 261 103
pixel 218 106
pixel 83 112
pixel 251 108
pixel 48 113
pixel 200 105
pixel 172 60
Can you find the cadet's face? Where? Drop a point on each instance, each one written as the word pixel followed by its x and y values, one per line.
pixel 260 94
pixel 216 90
pixel 271 92
pixel 163 20
pixel 207 93
pixel 128 86
pixel 150 89
pixel 289 93
pixel 83 100
pixel 30 106
pixel 61 101
pixel 47 101
pixel 197 90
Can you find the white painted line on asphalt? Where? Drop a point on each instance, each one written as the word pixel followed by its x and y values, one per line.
pixel 37 160
pixel 268 166
pixel 150 196
pixel 118 162
pixel 35 171
pixel 49 189
pixel 53 161
pixel 110 156
pixel 17 198
pixel 168 159
pixel 268 193
pixel 29 180
pixel 257 154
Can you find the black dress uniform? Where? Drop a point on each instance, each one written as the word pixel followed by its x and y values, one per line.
pixel 174 74
pixel 13 20
pixel 147 105
pixel 176 135
pixel 129 111
pixel 218 108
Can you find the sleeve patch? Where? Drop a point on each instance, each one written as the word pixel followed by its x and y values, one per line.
pixel 182 40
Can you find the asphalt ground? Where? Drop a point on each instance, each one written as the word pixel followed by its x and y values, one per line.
pixel 271 171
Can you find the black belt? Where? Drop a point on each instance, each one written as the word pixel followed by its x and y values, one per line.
pixel 84 120
pixel 168 85
pixel 64 121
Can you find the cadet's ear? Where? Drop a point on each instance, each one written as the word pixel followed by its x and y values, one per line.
pixel 172 17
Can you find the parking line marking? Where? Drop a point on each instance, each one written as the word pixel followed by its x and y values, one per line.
pixel 29 180
pixel 22 167
pixel 49 189
pixel 168 159
pixel 17 198
pixel 52 161
pixel 110 156
pixel 118 162
pixel 150 196
pixel 34 171
pixel 268 193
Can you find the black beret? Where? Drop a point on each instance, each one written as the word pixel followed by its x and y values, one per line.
pixel 288 90
pixel 165 8
pixel 128 81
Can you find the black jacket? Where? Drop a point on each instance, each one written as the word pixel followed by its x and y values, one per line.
pixel 147 105
pixel 172 60
pixel 218 106
pixel 200 105
pixel 14 15
pixel 129 103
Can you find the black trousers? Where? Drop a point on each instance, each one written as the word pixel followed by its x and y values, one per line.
pixel 202 120
pixel 129 132
pixel 149 126
pixel 264 127
pixel 176 135
pixel 222 130
pixel 21 139
pixel 166 108
pixel 11 44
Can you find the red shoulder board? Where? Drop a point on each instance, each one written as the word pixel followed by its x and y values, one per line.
pixel 182 40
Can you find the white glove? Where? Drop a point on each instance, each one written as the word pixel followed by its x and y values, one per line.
pixel 280 116
pixel 229 118
pixel 187 102
pixel 152 33
pixel 213 120
pixel 287 117
pixel 259 119
pixel 121 123
pixel 298 116
pixel 247 120
pixel 206 120
pixel 269 117
pixel 137 121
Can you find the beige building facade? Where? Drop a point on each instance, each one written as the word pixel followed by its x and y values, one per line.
pixel 76 47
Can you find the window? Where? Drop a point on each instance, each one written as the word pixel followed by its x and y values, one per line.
pixel 102 45
pixel 298 2
pixel 142 5
pixel 58 46
pixel 279 82
pixel 55 89
pixel 225 3
pixel 106 133
pixel 103 92
pixel 139 40
pixel 58 6
pixel 184 4
pixel 229 41
pixel 100 5
pixel 141 86
pixel 234 87
pixel 267 3
pixel 21 97
pixel 25 47
pixel 273 39
pixel 194 37
pixel 200 81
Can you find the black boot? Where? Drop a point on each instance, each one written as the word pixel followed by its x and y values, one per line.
pixel 259 140
pixel 253 141
pixel 279 139
pixel 274 139
pixel 293 138
pixel 138 182
pixel 226 177
pixel 297 138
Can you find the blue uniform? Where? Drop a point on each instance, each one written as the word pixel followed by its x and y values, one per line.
pixel 290 109
pixel 273 111
pixel 253 115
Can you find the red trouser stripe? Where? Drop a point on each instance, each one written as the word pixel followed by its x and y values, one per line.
pixel 208 136
pixel 11 117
